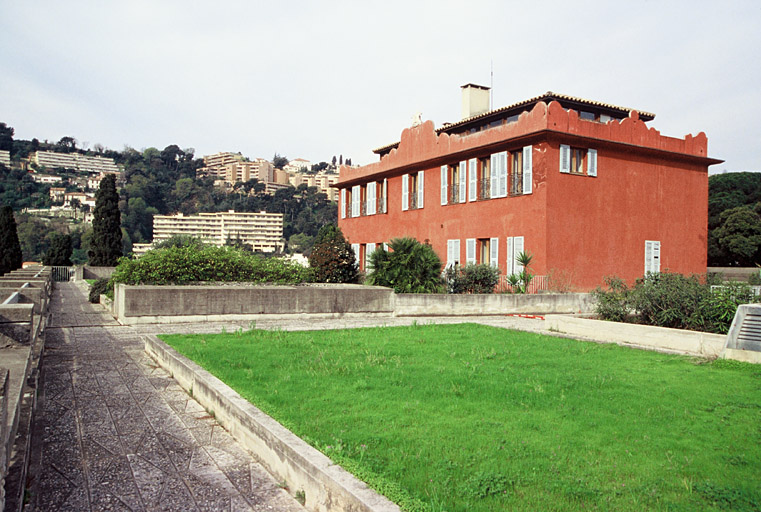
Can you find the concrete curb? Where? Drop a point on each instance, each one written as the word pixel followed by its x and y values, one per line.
pixel 326 486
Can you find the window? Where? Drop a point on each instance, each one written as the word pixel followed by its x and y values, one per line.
pixel 356 249
pixel 473 179
pixel 383 199
pixel 470 250
pixel 453 252
pixel 488 251
pixel 453 183
pixel 652 256
pixel 413 187
pixel 578 161
pixel 343 203
pixel 371 207
pixel 498 175
pixel 356 201
pixel 514 248
pixel 516 177
pixel 484 179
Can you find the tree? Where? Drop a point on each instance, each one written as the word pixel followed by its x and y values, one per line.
pixel 6 137
pixel 348 161
pixel 106 245
pixel 278 162
pixel 332 257
pixel 67 144
pixel 739 235
pixel 10 249
pixel 334 160
pixel 410 267
pixel 59 252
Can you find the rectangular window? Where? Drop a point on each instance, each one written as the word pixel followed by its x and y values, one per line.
pixel 516 177
pixel 652 256
pixel 463 181
pixel 383 202
pixel 453 252
pixel 405 192
pixel 528 173
pixel 514 248
pixel 470 250
pixel 484 183
pixel 356 198
pixel 420 188
pixel 494 252
pixel 580 161
pixel 472 179
pixel 444 186
pixel 371 198
pixel 356 249
pixel 343 203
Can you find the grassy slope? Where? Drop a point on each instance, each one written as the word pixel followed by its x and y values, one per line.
pixel 469 417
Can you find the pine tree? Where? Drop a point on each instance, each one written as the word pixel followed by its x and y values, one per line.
pixel 10 249
pixel 106 244
pixel 333 258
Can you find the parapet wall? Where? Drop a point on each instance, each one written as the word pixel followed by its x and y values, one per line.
pixel 413 304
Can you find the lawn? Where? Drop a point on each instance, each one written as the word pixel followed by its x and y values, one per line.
pixel 470 418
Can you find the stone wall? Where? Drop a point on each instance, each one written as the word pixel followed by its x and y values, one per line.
pixel 412 304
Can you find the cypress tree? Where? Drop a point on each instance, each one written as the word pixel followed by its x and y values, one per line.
pixel 106 244
pixel 10 248
pixel 333 258
pixel 59 252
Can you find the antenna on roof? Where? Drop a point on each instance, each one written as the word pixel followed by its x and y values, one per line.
pixel 491 86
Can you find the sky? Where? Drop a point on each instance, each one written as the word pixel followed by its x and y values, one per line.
pixel 309 79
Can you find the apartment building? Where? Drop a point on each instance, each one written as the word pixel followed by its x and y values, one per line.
pixel 75 162
pixel 46 178
pixel 215 165
pixel 259 169
pixel 83 198
pixel 262 231
pixel 5 157
pixel 297 165
pixel 323 181
pixel 56 194
pixel 587 188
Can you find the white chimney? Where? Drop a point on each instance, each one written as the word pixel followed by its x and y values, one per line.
pixel 475 100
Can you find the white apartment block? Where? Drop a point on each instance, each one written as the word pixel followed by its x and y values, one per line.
pixel 5 157
pixel 84 199
pixel 263 231
pixel 259 169
pixel 46 178
pixel 323 181
pixel 215 165
pixel 297 164
pixel 74 161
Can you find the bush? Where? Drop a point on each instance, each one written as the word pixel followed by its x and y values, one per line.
pixel 668 299
pixel 472 278
pixel 98 288
pixel 183 265
pixel 332 258
pixel 410 267
pixel 181 241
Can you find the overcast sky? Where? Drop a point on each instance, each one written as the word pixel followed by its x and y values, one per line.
pixel 315 79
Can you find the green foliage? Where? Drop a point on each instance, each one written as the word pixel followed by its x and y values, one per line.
pixel 100 287
pixel 10 249
pixel 191 264
pixel 60 251
pixel 612 304
pixel 520 282
pixel 755 278
pixel 727 192
pixel 106 244
pixel 19 190
pixel 181 241
pixel 472 278
pixel 672 300
pixel 332 258
pixel 409 267
pixel 739 235
pixel 278 162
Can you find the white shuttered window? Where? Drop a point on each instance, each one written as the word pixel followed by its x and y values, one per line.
pixel 355 201
pixel 565 158
pixel 371 197
pixel 463 180
pixel 405 192
pixel 493 179
pixel 420 188
pixel 502 173
pixel 592 162
pixel 494 252
pixel 652 256
pixel 527 170
pixel 444 172
pixel 470 250
pixel 473 179
pixel 453 252
pixel 514 248
pixel 343 203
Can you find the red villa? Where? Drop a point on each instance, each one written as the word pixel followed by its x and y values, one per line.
pixel 586 187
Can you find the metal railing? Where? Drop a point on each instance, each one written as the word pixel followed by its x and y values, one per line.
pixel 484 189
pixel 62 274
pixel 537 284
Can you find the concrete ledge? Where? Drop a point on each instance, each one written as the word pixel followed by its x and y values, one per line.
pixel 438 304
pixel 16 313
pixel 643 336
pixel 327 487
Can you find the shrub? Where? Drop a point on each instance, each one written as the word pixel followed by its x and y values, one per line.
pixel 182 265
pixel 612 304
pixel 98 288
pixel 410 267
pixel 668 299
pixel 472 278
pixel 755 278
pixel 181 241
pixel 332 258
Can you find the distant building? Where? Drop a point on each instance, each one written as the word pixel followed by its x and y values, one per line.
pixel 297 164
pixel 83 198
pixel 46 178
pixel 56 194
pixel 215 166
pixel 262 231
pixel 259 169
pixel 5 157
pixel 323 181
pixel 74 162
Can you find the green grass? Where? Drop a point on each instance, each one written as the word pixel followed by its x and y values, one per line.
pixel 469 418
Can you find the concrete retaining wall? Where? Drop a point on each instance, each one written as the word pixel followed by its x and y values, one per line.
pixel 411 304
pixel 88 272
pixel 734 273
pixel 326 486
pixel 642 336
pixel 156 304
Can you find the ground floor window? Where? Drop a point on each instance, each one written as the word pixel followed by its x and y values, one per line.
pixel 652 256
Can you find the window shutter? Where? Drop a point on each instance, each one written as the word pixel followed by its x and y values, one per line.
pixel 355 200
pixel 385 195
pixel 592 162
pixel 527 170
pixel 450 253
pixel 510 260
pixel 355 248
pixel 656 256
pixel 370 249
pixel 652 256
pixel 517 248
pixel 420 188
pixel 456 252
pixel 371 198
pixel 493 179
pixel 565 158
pixel 503 174
pixel 405 192
pixel 463 180
pixel 343 203
pixel 444 172
pixel 494 252
pixel 473 170
pixel 470 250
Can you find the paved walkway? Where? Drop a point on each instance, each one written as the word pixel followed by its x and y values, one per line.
pixel 115 432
